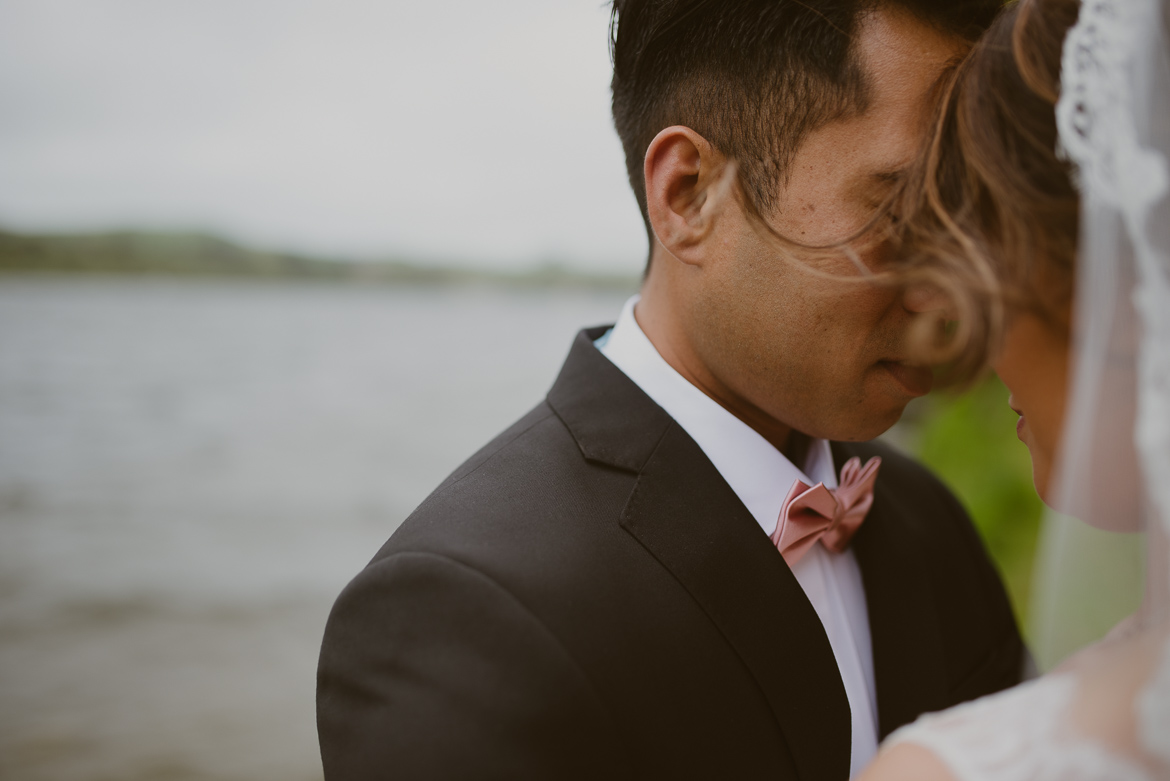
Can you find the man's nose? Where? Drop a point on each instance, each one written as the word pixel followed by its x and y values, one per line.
pixel 924 298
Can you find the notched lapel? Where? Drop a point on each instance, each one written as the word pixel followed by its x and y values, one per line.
pixel 691 521
pixel 908 652
pixel 610 418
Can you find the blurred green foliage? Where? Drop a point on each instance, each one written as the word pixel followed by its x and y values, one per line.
pixel 970 442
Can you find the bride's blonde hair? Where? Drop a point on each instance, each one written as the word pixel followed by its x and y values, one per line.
pixel 989 214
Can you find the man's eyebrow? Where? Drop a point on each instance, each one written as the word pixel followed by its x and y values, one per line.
pixel 889 177
pixel 878 185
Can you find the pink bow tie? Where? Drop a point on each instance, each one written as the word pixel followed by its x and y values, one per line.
pixel 812 513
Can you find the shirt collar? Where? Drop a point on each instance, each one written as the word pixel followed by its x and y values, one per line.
pixel 759 474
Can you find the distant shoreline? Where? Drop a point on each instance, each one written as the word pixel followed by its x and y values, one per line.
pixel 203 255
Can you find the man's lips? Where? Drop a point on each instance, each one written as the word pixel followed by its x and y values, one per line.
pixel 915 380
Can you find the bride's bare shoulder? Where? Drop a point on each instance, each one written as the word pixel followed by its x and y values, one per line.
pixel 906 762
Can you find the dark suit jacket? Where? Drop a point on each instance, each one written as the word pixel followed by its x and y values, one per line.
pixel 587 598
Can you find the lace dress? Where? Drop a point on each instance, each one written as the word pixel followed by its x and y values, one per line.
pixel 1022 734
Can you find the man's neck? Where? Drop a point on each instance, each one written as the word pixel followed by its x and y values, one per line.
pixel 663 331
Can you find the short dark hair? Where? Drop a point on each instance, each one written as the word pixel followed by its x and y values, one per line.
pixel 753 77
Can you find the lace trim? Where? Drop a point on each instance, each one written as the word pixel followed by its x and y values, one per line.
pixel 1095 113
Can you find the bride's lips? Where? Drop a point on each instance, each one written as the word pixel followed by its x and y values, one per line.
pixel 915 380
pixel 1022 422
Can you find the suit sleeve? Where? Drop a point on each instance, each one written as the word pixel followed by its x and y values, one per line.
pixel 429 669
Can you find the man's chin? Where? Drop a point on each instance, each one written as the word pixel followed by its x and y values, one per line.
pixel 869 425
pixel 867 434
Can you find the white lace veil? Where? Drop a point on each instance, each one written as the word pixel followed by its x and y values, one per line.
pixel 1114 470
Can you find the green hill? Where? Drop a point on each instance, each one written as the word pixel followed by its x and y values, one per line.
pixel 131 252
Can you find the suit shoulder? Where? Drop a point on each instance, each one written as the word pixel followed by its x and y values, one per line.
pixel 530 490
pixel 539 414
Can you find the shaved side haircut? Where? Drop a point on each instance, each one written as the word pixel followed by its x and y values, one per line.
pixel 753 77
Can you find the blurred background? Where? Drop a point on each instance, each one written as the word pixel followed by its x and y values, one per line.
pixel 260 264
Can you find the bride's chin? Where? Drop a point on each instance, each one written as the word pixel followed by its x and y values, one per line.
pixel 1041 482
pixel 1041 476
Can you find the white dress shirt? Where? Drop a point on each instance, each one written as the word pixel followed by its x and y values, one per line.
pixel 761 476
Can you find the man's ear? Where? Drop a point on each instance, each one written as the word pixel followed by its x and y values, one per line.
pixel 687 184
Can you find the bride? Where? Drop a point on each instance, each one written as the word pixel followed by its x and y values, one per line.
pixel 1043 210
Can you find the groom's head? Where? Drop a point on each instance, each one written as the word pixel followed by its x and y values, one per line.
pixel 821 104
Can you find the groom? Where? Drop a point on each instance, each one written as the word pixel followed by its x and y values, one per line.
pixel 635 580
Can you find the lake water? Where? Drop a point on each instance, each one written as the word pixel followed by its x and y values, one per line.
pixel 190 471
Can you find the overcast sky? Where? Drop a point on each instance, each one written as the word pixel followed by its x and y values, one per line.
pixel 463 130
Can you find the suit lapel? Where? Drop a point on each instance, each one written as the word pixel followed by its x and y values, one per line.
pixel 687 517
pixel 908 652
pixel 690 520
